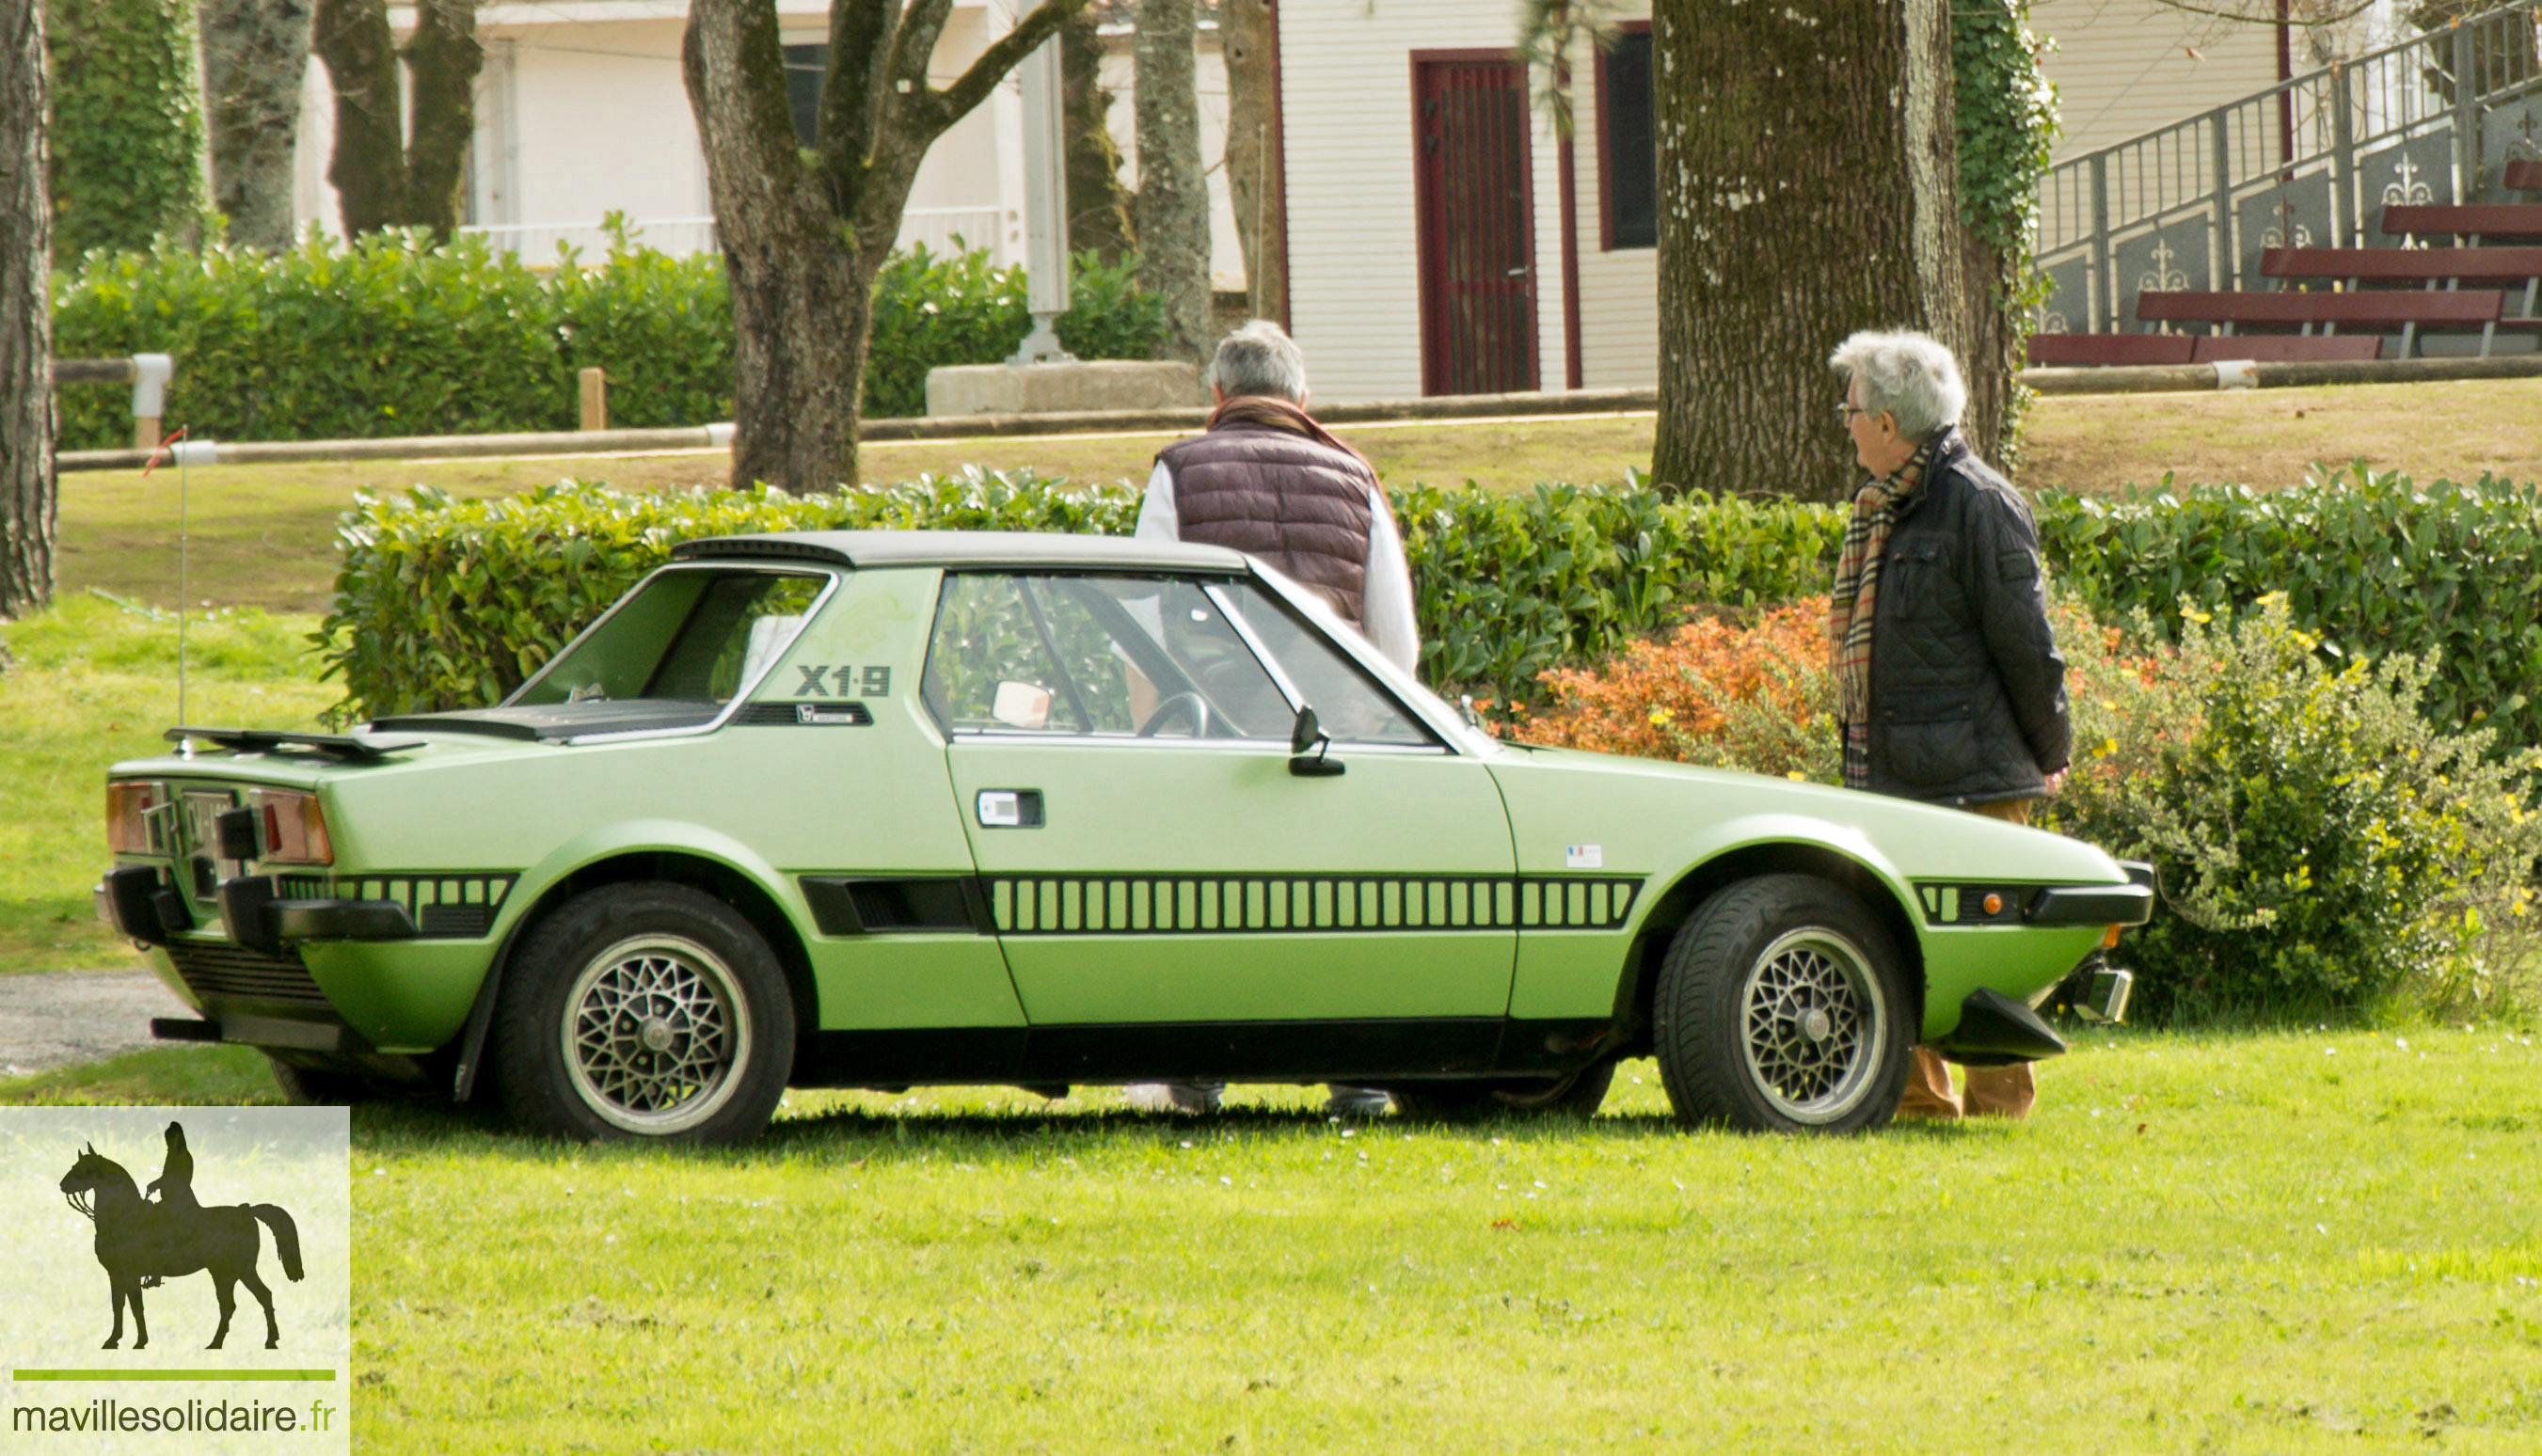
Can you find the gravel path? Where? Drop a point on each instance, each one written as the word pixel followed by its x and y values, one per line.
pixel 65 1017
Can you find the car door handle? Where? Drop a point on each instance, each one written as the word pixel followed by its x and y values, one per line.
pixel 1008 808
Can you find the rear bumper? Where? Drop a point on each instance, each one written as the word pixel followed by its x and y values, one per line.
pixel 139 902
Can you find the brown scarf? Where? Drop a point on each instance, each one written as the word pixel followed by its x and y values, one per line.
pixel 1274 414
pixel 1855 596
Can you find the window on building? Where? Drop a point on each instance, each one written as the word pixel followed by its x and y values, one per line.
pixel 805 66
pixel 1628 163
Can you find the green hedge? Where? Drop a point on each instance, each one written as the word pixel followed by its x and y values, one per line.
pixel 390 335
pixel 443 604
pixel 2370 564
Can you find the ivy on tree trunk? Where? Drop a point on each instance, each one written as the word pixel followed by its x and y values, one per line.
pixel 1247 32
pixel 28 500
pixel 806 231
pixel 255 52
pixel 1807 187
pixel 1173 187
pixel 1098 204
pixel 389 175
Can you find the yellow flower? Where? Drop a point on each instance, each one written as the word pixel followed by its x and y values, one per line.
pixel 1659 717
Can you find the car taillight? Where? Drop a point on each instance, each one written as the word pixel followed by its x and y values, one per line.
pixel 295 830
pixel 129 808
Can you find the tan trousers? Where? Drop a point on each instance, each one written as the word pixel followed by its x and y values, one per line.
pixel 1991 1091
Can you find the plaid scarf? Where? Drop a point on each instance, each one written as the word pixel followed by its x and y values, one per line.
pixel 1854 599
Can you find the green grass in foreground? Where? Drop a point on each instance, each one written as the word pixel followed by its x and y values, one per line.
pixel 2269 1242
pixel 95 682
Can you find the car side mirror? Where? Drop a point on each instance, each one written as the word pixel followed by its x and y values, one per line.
pixel 1309 746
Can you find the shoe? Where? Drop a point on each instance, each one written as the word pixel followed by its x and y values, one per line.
pixel 1192 1099
pixel 1357 1102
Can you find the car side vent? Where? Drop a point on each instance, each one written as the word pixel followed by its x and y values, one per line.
pixel 804 715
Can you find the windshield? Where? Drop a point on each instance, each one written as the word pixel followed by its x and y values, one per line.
pixel 688 634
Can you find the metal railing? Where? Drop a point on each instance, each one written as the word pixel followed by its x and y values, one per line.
pixel 941 229
pixel 2311 162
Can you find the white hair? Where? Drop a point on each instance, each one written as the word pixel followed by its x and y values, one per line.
pixel 1907 374
pixel 1260 358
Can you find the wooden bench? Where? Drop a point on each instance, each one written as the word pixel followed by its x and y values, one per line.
pixel 2517 270
pixel 2475 220
pixel 2285 348
pixel 2110 348
pixel 2408 312
pixel 2524 177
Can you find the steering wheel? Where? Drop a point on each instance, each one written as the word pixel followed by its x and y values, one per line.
pixel 1191 704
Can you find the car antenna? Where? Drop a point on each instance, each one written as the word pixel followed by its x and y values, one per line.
pixel 184 452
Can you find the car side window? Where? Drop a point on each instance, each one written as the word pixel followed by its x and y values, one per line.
pixel 1103 656
pixel 1351 705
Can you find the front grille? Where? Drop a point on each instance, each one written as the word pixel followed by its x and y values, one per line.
pixel 220 970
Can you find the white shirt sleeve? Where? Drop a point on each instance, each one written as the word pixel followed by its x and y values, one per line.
pixel 1157 518
pixel 1386 605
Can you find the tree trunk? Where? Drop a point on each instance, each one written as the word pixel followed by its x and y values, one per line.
pixel 1173 189
pixel 255 52
pixel 1249 38
pixel 1098 204
pixel 805 231
pixel 1809 184
pixel 368 168
pixel 442 59
pixel 28 503
pixel 389 176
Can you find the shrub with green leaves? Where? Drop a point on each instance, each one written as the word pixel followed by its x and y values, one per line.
pixel 392 335
pixel 444 604
pixel 2370 564
pixel 961 308
pixel 2321 847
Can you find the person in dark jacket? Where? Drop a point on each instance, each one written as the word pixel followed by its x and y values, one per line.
pixel 1266 480
pixel 1949 682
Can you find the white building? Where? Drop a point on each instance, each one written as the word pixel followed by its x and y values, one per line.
pixel 581 112
pixel 1531 265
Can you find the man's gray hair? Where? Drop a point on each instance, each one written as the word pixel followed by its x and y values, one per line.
pixel 1260 358
pixel 1905 374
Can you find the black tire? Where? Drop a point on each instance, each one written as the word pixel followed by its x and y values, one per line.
pixel 1578 1095
pixel 644 1011
pixel 1784 1006
pixel 311 1087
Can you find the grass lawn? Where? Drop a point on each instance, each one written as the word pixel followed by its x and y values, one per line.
pixel 94 683
pixel 2272 1243
pixel 264 536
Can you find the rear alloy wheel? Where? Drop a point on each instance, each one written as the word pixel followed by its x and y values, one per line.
pixel 1578 1095
pixel 647 1011
pixel 1783 1007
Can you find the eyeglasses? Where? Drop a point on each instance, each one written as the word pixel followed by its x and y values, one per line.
pixel 1846 410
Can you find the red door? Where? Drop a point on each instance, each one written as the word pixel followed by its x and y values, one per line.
pixel 1478 239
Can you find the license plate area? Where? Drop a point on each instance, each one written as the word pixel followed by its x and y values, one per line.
pixel 205 869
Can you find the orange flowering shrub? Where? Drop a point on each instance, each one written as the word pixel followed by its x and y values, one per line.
pixel 1726 690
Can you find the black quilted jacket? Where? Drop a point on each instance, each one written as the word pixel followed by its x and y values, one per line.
pixel 1968 689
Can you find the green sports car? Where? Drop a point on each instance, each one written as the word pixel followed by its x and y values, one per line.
pixel 873 809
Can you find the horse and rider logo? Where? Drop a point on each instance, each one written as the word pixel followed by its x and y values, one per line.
pixel 143 1241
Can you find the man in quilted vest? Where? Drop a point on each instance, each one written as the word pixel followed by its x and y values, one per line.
pixel 1267 480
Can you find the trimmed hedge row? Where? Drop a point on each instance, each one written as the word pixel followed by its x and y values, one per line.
pixel 392 335
pixel 445 604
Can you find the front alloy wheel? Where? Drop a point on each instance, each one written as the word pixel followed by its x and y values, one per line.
pixel 1783 1006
